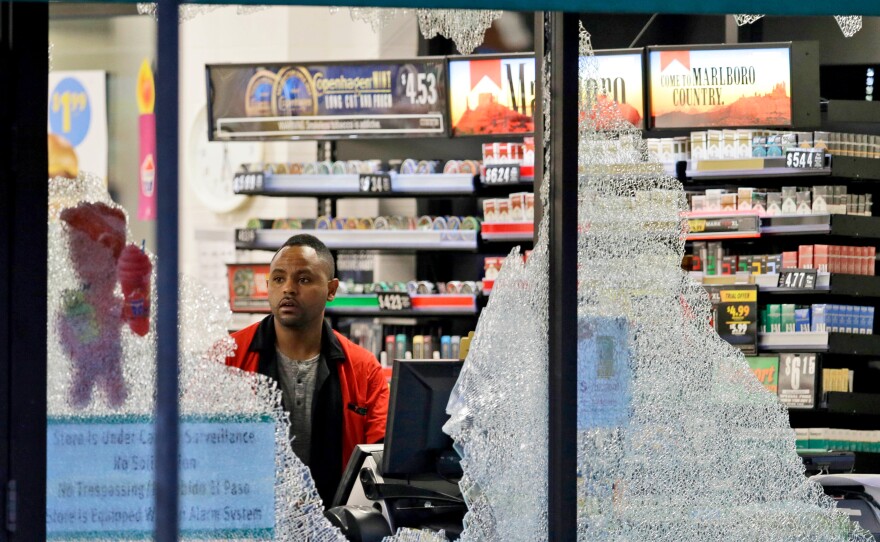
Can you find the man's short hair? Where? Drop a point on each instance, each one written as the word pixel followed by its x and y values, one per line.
pixel 306 240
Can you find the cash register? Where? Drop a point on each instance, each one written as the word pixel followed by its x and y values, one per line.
pixel 411 480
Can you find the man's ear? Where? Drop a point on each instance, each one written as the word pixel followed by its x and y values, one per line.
pixel 331 289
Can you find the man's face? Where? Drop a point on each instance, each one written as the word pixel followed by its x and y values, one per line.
pixel 299 287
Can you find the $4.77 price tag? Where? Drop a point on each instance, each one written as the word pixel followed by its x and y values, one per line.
pixel 501 174
pixel 805 158
pixel 797 279
pixel 394 301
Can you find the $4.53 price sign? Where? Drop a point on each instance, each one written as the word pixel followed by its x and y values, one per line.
pixel 805 158
pixel 420 88
pixel 394 301
pixel 797 279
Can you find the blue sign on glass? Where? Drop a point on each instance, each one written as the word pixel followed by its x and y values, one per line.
pixel 101 472
pixel 604 373
pixel 327 100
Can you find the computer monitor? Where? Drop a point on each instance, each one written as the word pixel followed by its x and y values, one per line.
pixel 414 437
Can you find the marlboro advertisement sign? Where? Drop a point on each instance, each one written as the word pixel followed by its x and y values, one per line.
pixel 698 87
pixel 620 77
pixel 494 95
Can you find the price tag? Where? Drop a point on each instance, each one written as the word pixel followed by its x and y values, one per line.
pixel 797 380
pixel 805 158
pixel 394 301
pixel 735 315
pixel 247 182
pixel 798 279
pixel 375 182
pixel 245 236
pixel 501 174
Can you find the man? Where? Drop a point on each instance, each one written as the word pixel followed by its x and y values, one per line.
pixel 333 389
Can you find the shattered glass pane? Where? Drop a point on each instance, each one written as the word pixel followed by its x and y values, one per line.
pixel 465 27
pixel 849 24
pixel 677 440
pixel 498 409
pixel 413 535
pixel 744 19
pixel 101 369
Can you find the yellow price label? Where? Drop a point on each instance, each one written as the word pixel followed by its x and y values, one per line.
pixel 697 225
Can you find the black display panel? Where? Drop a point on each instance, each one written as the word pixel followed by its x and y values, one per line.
pixel 328 100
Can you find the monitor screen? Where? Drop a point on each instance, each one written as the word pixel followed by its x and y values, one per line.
pixel 492 95
pixel 414 437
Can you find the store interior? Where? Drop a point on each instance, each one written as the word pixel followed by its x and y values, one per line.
pixel 227 231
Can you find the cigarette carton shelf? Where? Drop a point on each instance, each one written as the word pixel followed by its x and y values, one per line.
pixel 741 225
pixel 766 172
pixel 831 343
pixel 386 240
pixel 349 186
pixel 857 404
pixel 828 283
pixel 368 305
pixel 507 231
pixel 857 227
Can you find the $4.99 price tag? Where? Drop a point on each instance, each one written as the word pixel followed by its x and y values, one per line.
pixel 394 301
pixel 501 174
pixel 797 279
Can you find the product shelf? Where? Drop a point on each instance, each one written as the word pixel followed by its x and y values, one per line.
pixel 857 404
pixel 388 240
pixel 767 172
pixel 349 185
pixel 831 283
pixel 861 227
pixel 507 231
pixel 723 225
pixel 831 343
pixel 851 167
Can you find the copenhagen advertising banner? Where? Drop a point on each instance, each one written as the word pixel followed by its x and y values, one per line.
pixel 715 87
pixel 327 100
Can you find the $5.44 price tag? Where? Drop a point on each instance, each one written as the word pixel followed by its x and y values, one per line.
pixel 797 279
pixel 374 182
pixel 501 174
pixel 805 158
pixel 394 301
pixel 247 182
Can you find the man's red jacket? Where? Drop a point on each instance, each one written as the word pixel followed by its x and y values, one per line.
pixel 350 402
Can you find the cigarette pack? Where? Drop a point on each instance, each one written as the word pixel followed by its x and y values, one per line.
pixel 817 318
pixel 788 323
pixel 820 258
pixel 789 260
pixel 805 256
pixel 802 319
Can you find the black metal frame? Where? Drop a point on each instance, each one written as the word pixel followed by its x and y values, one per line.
pixel 562 39
pixel 167 224
pixel 24 30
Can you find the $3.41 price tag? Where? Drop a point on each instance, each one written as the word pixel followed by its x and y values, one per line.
pixel 375 182
pixel 501 174
pixel 247 182
pixel 805 158
pixel 394 301
pixel 797 279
